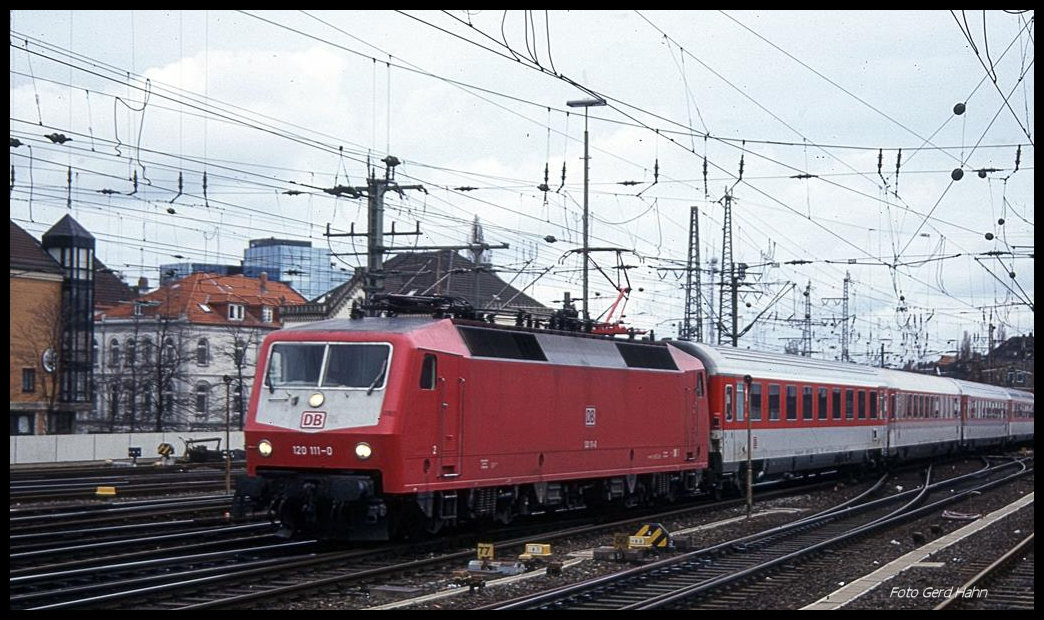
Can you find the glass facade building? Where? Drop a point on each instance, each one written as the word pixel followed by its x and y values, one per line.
pixel 307 270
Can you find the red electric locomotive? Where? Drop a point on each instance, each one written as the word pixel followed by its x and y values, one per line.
pixel 373 427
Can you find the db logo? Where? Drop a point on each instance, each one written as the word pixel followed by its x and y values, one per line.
pixel 313 419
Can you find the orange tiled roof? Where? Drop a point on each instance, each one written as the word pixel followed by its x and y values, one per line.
pixel 204 299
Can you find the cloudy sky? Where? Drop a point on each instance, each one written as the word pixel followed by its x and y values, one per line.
pixel 837 137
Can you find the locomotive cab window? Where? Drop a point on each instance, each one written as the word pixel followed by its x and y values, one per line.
pixel 429 369
pixel 294 364
pixel 356 366
pixel 361 365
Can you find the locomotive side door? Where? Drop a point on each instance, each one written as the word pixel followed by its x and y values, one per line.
pixel 451 388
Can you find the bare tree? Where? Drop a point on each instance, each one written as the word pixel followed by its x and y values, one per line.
pixel 36 343
pixel 241 352
pixel 965 352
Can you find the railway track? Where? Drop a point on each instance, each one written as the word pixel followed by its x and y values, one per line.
pixel 237 578
pixel 1006 584
pixel 716 572
pixel 58 484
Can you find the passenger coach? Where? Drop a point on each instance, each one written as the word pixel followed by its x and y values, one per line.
pixel 805 413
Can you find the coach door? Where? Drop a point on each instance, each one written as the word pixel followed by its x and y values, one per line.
pixel 452 388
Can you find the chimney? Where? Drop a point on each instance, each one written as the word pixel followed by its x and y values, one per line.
pixel 264 281
pixel 143 285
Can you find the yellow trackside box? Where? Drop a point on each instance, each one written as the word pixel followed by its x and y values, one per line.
pixel 649 535
pixel 538 550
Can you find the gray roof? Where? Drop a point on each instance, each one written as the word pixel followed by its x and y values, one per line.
pixel 27 253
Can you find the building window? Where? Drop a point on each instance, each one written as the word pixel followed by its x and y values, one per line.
pixel 131 352
pixel 202 394
pixel 114 401
pixel 168 401
pixel 114 353
pixel 22 424
pixel 169 355
pixel 94 353
pixel 146 350
pixel 202 352
pixel 28 379
pixel 266 314
pixel 61 423
pixel 235 312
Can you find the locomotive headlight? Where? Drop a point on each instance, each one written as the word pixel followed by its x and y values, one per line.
pixel 264 448
pixel 316 400
pixel 363 451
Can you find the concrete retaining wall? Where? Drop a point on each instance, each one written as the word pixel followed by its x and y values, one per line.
pixel 64 448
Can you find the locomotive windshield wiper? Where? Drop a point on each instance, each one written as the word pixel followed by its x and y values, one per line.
pixel 377 379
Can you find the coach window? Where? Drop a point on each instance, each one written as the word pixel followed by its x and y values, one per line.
pixel 873 405
pixel 862 405
pixel 849 404
pixel 792 402
pixel 773 402
pixel 824 403
pixel 755 402
pixel 428 371
pixel 728 403
pixel 836 404
pixel 806 403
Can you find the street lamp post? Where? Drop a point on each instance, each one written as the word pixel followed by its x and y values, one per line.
pixel 750 447
pixel 228 448
pixel 585 104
